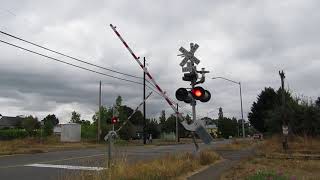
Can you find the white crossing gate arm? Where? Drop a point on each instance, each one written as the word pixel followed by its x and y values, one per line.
pixel 184 123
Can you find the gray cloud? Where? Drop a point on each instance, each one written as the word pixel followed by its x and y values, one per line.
pixel 242 40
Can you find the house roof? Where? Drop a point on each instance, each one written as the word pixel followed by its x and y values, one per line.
pixel 211 126
pixel 7 121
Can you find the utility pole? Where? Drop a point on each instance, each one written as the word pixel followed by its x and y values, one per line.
pixel 177 125
pixel 194 116
pixel 99 119
pixel 242 120
pixel 196 93
pixel 284 117
pixel 144 104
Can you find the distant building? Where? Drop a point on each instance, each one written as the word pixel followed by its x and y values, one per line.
pixel 57 129
pixel 210 126
pixel 10 122
pixel 212 129
pixel 138 132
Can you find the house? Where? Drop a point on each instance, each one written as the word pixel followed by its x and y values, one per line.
pixel 10 122
pixel 212 129
pixel 138 132
pixel 210 126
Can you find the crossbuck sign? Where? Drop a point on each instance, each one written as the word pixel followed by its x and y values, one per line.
pixel 189 56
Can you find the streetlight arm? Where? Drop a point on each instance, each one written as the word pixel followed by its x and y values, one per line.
pixel 239 83
pixel 226 79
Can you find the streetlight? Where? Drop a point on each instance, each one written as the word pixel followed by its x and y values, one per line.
pixel 243 133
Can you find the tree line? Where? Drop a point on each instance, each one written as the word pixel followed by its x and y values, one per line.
pixel 302 113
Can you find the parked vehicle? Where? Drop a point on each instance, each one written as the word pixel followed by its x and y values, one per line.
pixel 258 136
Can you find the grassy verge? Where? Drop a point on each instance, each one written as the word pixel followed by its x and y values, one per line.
pixel 33 145
pixel 267 165
pixel 168 167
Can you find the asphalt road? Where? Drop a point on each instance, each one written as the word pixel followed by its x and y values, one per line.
pixel 55 165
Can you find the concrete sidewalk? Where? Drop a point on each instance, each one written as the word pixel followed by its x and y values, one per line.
pixel 231 158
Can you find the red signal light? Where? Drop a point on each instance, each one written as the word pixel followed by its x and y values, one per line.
pixel 114 120
pixel 197 92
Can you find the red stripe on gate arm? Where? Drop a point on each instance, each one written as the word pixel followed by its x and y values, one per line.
pixel 146 71
pixel 170 103
pixel 149 75
pixel 158 87
pixel 135 57
pixel 117 33
pixel 125 44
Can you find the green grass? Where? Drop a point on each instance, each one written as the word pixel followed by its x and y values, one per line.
pixel 267 175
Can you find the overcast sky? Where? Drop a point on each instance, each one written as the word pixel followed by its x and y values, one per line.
pixel 247 41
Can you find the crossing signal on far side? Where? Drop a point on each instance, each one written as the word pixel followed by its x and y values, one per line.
pixel 114 120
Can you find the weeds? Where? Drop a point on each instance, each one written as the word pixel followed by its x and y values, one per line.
pixel 259 167
pixel 167 167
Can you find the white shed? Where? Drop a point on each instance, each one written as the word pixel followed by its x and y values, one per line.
pixel 70 132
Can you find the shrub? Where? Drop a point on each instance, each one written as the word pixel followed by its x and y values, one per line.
pixel 48 128
pixel 30 124
pixel 9 134
pixel 88 131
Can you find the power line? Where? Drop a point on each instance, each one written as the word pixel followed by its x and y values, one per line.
pixel 77 66
pixel 68 56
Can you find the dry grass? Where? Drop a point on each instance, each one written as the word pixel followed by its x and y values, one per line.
pixel 238 144
pixel 300 169
pixel 33 145
pixel 297 144
pixel 168 167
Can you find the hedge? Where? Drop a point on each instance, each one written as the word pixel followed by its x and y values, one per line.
pixel 88 132
pixel 8 134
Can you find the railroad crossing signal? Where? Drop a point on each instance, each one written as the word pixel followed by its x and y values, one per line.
pixel 186 56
